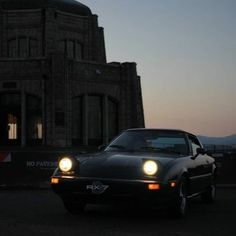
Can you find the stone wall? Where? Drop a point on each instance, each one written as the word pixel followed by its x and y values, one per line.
pixel 35 59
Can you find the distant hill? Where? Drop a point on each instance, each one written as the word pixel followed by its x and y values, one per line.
pixel 228 140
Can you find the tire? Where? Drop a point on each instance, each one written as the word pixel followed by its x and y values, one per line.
pixel 210 194
pixel 179 208
pixel 74 207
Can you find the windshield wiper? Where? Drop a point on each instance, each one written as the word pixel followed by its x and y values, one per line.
pixel 162 150
pixel 174 152
pixel 151 148
pixel 117 146
pixel 122 148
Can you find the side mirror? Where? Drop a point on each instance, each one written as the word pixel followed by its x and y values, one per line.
pixel 101 147
pixel 200 151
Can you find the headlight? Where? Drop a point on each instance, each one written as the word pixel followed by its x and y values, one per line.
pixel 65 164
pixel 150 167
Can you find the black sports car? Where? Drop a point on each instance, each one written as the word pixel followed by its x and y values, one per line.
pixel 151 166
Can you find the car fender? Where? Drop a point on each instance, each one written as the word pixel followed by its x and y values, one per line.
pixel 175 173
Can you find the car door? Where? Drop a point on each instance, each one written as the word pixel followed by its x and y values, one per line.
pixel 201 173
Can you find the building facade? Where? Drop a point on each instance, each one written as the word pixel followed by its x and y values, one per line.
pixel 56 87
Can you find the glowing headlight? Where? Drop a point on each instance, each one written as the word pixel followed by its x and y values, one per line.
pixel 150 167
pixel 65 164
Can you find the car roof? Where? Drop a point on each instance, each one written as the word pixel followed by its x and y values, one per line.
pixel 159 129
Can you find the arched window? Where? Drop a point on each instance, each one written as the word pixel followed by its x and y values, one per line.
pixel 20 119
pixel 10 119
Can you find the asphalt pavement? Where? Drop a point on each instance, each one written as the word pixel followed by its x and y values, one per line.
pixel 40 212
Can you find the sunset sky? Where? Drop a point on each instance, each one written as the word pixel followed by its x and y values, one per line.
pixel 186 56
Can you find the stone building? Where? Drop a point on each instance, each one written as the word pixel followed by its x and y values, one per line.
pixel 56 87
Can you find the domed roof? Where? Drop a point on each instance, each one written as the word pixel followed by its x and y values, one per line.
pixel 71 6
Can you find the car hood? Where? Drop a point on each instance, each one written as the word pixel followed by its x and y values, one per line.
pixel 117 165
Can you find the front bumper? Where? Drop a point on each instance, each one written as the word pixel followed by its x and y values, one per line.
pixel 92 190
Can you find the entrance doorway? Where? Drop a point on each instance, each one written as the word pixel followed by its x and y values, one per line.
pixel 12 127
pixel 10 119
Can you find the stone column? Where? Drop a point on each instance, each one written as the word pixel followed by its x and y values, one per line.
pixel 23 119
pixel 50 30
pixel 1 32
pixel 131 97
pixel 85 120
pixel 43 112
pixel 105 119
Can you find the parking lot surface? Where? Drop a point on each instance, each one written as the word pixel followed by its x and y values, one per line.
pixel 40 212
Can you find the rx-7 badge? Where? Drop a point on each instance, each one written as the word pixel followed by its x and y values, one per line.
pixel 97 187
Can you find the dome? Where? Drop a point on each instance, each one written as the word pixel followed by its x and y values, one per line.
pixel 71 6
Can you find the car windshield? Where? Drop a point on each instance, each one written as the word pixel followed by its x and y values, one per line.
pixel 151 141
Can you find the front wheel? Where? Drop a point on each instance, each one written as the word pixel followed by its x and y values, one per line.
pixel 74 207
pixel 210 194
pixel 179 208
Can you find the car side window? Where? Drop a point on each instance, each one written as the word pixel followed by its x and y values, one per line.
pixel 194 143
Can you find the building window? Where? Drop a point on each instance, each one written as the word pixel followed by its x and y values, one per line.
pixel 12 127
pixel 10 119
pixel 71 48
pixel 12 48
pixel 23 47
pixel 62 46
pixel 9 85
pixel 14 116
pixel 78 51
pixel 33 47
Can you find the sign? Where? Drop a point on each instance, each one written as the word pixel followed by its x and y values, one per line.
pixel 5 157
pixel 41 164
